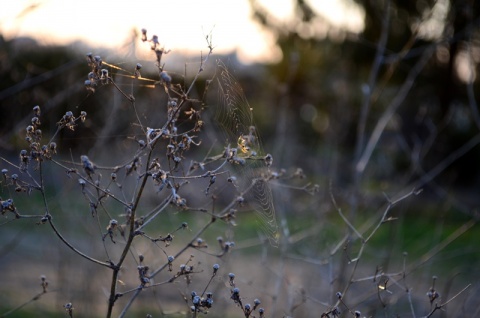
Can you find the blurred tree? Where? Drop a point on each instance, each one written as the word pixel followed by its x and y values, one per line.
pixel 339 84
pixel 31 74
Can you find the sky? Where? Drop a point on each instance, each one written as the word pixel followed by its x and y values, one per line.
pixel 179 24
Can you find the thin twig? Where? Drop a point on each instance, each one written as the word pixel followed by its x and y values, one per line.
pixel 372 79
pixel 161 268
pixel 437 306
pixel 439 247
pixel 34 298
pixel 392 108
pixel 74 249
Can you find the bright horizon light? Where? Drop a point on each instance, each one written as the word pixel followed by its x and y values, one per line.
pixel 181 25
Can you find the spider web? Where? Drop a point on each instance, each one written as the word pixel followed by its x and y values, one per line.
pixel 235 116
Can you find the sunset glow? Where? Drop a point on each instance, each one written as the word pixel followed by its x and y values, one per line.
pixel 180 25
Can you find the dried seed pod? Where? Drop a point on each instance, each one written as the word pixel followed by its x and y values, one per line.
pixel 36 110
